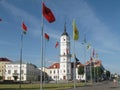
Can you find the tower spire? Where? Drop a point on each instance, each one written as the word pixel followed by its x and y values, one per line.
pixel 65 28
pixel 65 33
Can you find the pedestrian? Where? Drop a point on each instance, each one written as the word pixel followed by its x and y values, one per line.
pixel 115 82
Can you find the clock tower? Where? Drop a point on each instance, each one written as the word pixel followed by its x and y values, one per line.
pixel 65 56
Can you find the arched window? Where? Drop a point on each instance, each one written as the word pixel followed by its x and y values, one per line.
pixel 54 71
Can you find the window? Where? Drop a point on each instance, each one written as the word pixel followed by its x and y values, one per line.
pixel 9 71
pixel 82 76
pixel 50 71
pixel 68 70
pixel 15 66
pixel 22 78
pixel 15 71
pixel 54 71
pixel 64 71
pixel 68 66
pixel 8 78
pixel 22 71
pixel 58 71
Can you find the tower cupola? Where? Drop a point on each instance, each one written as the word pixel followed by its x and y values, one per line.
pixel 65 33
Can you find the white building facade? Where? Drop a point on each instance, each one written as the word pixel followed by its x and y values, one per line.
pixel 29 72
pixel 3 62
pixel 53 72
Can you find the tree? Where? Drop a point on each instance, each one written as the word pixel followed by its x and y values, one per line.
pixel 81 70
pixel 97 71
pixel 1 77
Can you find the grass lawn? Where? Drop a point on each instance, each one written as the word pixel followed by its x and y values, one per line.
pixel 54 86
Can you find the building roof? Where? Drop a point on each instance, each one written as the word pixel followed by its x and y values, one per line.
pixel 96 62
pixel 54 66
pixel 57 65
pixel 16 62
pixel 5 60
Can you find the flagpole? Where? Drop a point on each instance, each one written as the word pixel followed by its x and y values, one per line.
pixel 84 43
pixel 41 59
pixel 21 45
pixel 58 63
pixel 75 37
pixel 44 63
pixel 85 62
pixel 94 65
pixel 58 68
pixel 94 71
pixel 41 83
pixel 74 68
pixel 91 67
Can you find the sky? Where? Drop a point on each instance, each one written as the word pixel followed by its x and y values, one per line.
pixel 97 19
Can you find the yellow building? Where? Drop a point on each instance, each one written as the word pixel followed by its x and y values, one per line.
pixel 3 62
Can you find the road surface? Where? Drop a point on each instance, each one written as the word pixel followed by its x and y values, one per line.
pixel 106 85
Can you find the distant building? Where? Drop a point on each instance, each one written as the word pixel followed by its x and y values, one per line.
pixel 94 63
pixel 29 72
pixel 3 62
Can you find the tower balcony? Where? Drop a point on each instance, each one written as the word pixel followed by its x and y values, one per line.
pixel 67 55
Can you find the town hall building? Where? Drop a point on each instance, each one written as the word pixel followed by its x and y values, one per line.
pixel 64 69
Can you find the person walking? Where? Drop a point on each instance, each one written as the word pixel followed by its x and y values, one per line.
pixel 115 82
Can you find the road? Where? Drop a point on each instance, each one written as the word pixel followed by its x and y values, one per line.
pixel 106 85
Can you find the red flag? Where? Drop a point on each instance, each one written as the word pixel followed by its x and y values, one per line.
pixel 47 13
pixel 56 45
pixel 24 27
pixel 46 36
